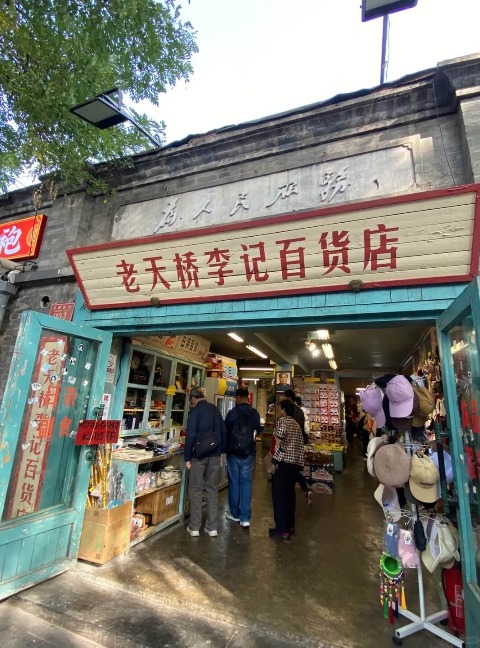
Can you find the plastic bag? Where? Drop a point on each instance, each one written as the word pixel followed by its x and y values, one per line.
pixel 390 539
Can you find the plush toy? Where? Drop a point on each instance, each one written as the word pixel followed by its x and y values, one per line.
pixel 407 550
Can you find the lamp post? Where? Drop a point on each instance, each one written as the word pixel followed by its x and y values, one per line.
pixel 375 9
pixel 103 112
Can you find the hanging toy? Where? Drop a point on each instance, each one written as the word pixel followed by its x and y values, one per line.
pixel 392 595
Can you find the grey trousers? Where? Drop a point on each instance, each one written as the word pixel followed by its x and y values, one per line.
pixel 204 474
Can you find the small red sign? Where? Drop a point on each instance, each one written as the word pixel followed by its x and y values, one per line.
pixel 95 432
pixel 63 311
pixel 21 239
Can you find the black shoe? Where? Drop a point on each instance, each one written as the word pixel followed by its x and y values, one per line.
pixel 285 537
pixel 272 532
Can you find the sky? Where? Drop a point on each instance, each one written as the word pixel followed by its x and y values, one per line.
pixel 262 57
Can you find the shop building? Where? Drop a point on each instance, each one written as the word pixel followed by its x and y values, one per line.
pixel 357 212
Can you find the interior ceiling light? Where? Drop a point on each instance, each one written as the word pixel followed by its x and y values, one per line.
pixel 323 334
pixel 255 369
pixel 315 352
pixel 333 364
pixel 235 337
pixel 256 351
pixel 312 347
pixel 328 351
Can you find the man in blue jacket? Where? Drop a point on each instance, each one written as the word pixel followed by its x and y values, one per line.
pixel 204 473
pixel 242 422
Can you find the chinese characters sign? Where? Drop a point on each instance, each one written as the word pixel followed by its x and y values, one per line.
pixel 366 176
pixel 422 238
pixel 21 239
pixel 93 432
pixel 190 347
pixel 26 486
pixel 63 310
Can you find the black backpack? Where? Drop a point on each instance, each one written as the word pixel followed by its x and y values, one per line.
pixel 241 438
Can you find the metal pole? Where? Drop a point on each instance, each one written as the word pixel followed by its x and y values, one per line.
pixel 126 114
pixel 383 64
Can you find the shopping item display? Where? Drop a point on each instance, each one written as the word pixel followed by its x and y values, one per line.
pixel 325 454
pixel 392 590
pixel 402 461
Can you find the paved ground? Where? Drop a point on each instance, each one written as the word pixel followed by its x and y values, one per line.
pixel 241 589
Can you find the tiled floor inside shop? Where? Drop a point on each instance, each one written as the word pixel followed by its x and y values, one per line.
pixel 324 585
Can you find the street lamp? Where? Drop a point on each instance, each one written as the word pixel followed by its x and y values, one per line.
pixel 374 9
pixel 103 112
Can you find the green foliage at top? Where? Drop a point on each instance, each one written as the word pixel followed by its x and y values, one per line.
pixel 58 53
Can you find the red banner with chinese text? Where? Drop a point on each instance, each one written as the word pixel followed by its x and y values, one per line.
pixel 37 428
pixel 21 239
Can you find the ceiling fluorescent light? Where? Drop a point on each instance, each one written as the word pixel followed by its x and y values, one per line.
pixel 255 369
pixel 235 337
pixel 328 351
pixel 255 350
pixel 333 364
pixel 323 334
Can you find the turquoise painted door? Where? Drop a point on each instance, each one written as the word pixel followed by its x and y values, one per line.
pixel 55 380
pixel 459 335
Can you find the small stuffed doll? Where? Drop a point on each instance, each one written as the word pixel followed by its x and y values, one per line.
pixel 407 550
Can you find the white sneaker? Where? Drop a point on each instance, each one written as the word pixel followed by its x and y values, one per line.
pixel 245 524
pixel 192 532
pixel 213 533
pixel 229 516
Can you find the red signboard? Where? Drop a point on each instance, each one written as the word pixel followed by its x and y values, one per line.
pixel 63 311
pixel 37 428
pixel 21 239
pixel 94 432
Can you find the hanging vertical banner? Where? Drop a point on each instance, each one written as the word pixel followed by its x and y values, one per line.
pixel 34 440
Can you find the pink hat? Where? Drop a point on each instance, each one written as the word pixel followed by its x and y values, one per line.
pixel 371 399
pixel 400 397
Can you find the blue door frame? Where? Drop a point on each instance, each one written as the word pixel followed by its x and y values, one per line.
pixel 56 378
pixel 459 344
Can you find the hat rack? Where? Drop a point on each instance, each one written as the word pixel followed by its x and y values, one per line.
pixel 421 621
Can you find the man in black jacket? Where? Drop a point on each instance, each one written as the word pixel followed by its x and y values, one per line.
pixel 204 473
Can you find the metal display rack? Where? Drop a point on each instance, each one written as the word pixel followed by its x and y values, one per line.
pixel 421 621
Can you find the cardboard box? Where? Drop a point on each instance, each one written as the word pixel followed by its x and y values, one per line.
pixel 105 533
pixel 161 504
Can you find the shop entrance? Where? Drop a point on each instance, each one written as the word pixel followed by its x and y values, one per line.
pixel 393 312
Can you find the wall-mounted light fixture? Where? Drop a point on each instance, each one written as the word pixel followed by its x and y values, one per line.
pixel 103 111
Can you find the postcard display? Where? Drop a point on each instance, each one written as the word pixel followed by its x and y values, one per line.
pixel 324 454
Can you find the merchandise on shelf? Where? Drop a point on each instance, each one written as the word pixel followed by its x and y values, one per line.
pixel 323 404
pixel 218 366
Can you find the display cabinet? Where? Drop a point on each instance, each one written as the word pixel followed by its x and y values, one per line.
pixel 156 393
pixel 155 485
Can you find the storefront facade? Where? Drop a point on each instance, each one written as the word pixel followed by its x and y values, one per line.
pixel 363 210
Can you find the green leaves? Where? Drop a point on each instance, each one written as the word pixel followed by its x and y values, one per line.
pixel 57 53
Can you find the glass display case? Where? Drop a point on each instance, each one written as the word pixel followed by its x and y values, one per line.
pixel 156 394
